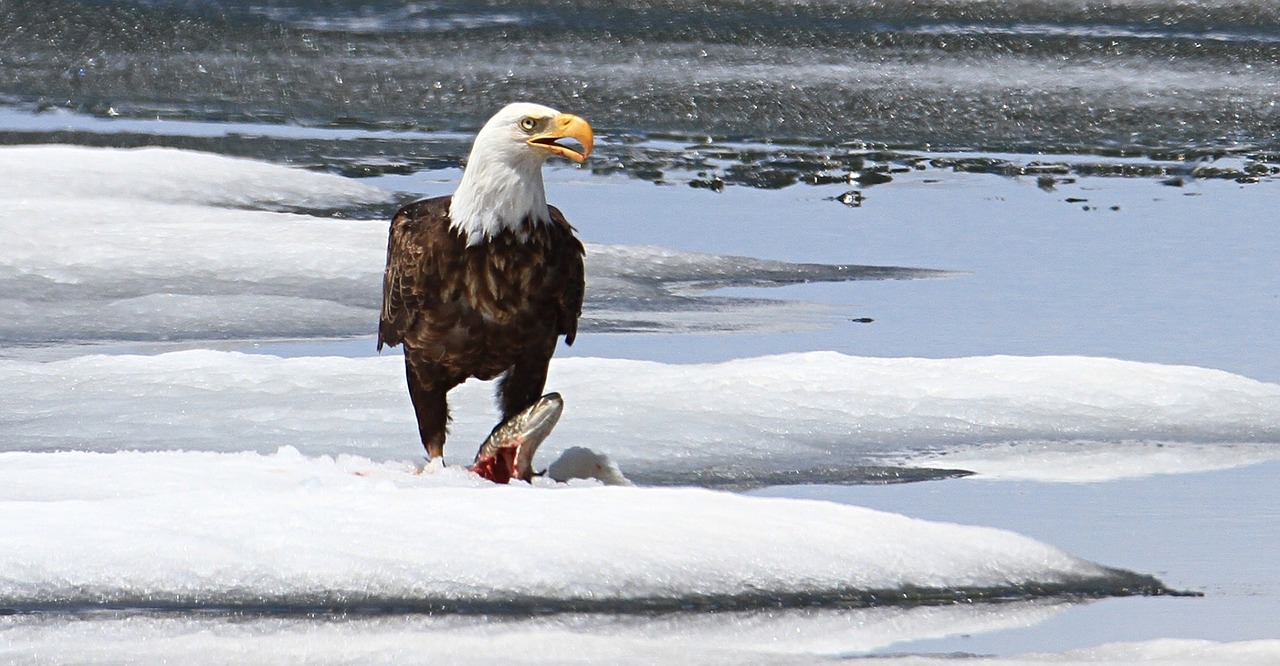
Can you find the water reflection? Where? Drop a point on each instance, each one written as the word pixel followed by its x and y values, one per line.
pixel 689 638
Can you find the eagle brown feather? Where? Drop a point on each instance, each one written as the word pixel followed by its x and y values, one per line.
pixel 480 310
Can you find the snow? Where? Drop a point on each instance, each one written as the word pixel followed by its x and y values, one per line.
pixel 771 637
pixel 175 271
pixel 133 486
pixel 1093 461
pixel 579 462
pixel 173 176
pixel 165 244
pixel 1169 651
pixel 1060 418
pixel 349 532
pixel 157 244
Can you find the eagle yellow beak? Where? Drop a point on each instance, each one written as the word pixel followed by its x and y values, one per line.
pixel 566 126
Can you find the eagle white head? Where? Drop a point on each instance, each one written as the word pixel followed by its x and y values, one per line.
pixel 502 184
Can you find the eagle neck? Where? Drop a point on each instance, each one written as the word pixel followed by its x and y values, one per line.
pixel 496 195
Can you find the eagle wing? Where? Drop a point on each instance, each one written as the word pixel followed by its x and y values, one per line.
pixel 575 285
pixel 411 283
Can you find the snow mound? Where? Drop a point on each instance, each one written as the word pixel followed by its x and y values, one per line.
pixel 579 462
pixel 178 272
pixel 173 176
pixel 290 532
pixel 811 417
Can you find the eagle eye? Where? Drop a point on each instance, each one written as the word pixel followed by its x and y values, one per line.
pixel 528 123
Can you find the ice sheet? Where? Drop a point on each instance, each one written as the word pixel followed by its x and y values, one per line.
pixel 289 532
pixel 172 176
pixel 813 416
pixel 732 637
pixel 164 244
pixel 772 637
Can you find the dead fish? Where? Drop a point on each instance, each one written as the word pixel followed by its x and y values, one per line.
pixel 508 451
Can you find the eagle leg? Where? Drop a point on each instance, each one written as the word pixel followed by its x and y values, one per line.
pixel 523 382
pixel 519 388
pixel 430 404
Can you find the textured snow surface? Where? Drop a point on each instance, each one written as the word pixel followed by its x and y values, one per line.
pixel 818 413
pixel 173 176
pixel 284 530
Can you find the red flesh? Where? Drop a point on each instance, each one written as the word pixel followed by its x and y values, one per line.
pixel 497 468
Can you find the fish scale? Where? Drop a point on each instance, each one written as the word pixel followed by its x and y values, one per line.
pixel 523 432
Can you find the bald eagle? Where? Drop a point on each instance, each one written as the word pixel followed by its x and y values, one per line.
pixel 484 282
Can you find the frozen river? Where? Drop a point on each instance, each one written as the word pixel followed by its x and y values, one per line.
pixel 923 332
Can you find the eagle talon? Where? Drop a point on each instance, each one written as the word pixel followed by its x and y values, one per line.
pixel 428 466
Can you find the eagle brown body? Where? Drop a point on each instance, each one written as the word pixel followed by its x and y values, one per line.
pixel 479 310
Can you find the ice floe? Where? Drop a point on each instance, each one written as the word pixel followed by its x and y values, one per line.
pixel 173 176
pixel 164 244
pixel 178 530
pixel 806 417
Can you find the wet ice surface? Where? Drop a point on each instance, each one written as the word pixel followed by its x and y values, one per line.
pixel 1115 267
pixel 1214 531
pixel 1069 285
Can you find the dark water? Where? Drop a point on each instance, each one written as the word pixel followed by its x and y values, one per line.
pixel 1110 583
pixel 1171 79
